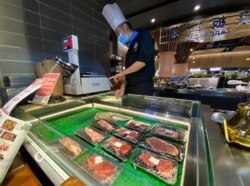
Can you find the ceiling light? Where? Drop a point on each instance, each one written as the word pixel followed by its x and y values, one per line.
pixel 248 59
pixel 191 50
pixel 197 7
pixel 193 58
pixel 152 20
pixel 193 61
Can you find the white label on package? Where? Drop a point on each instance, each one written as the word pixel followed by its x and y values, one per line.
pixel 137 124
pixel 154 160
pixel 118 144
pixel 127 132
pixel 98 159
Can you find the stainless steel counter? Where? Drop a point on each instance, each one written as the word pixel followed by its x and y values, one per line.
pixel 218 98
pixel 231 164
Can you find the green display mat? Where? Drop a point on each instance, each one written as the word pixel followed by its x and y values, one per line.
pixel 70 123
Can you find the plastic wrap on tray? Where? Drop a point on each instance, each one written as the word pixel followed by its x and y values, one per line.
pixel 163 147
pixel 91 135
pixel 69 147
pixel 105 125
pixel 164 168
pixel 129 135
pixel 171 133
pixel 119 148
pixel 139 126
pixel 109 116
pixel 100 169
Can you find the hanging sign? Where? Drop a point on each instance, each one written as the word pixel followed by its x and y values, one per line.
pixel 43 94
pixel 244 18
pixel 8 107
pixel 218 23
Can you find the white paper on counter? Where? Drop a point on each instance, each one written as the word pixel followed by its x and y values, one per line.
pixel 16 128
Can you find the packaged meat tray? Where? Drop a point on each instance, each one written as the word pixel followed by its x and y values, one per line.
pixel 91 135
pixel 129 135
pixel 139 126
pixel 109 116
pixel 69 147
pixel 119 148
pixel 171 133
pixel 105 125
pixel 163 147
pixel 100 169
pixel 163 168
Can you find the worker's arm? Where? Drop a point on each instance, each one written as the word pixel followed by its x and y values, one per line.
pixel 133 68
pixel 121 91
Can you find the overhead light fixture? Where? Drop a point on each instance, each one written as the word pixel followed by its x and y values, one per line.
pixel 193 62
pixel 193 58
pixel 191 50
pixel 248 59
pixel 152 20
pixel 197 7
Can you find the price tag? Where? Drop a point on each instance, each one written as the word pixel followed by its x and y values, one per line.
pixel 137 124
pixel 118 144
pixel 154 160
pixel 127 132
pixel 98 159
pixel 169 131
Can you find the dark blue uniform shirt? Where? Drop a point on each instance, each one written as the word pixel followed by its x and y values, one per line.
pixel 141 49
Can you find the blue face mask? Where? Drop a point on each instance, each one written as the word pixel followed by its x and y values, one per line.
pixel 123 38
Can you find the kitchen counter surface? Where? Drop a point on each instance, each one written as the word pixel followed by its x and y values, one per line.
pixel 230 163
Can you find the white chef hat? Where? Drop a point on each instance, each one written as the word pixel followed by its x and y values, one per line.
pixel 113 15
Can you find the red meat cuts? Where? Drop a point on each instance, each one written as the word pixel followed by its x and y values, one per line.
pixel 71 146
pixel 120 147
pixel 138 126
pixel 165 168
pixel 132 135
pixel 162 146
pixel 145 158
pixel 128 134
pixel 101 168
pixel 167 132
pixel 111 116
pixel 94 136
pixel 105 125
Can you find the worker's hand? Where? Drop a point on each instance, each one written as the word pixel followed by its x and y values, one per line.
pixel 117 78
pixel 119 93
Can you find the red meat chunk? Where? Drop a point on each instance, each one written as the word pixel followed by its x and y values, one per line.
pixel 122 132
pixel 132 135
pixel 138 126
pixel 165 168
pixel 104 170
pixel 144 157
pixel 106 125
pixel 162 146
pixel 167 132
pixel 119 146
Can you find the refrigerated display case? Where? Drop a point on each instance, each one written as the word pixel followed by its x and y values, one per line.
pixel 188 159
